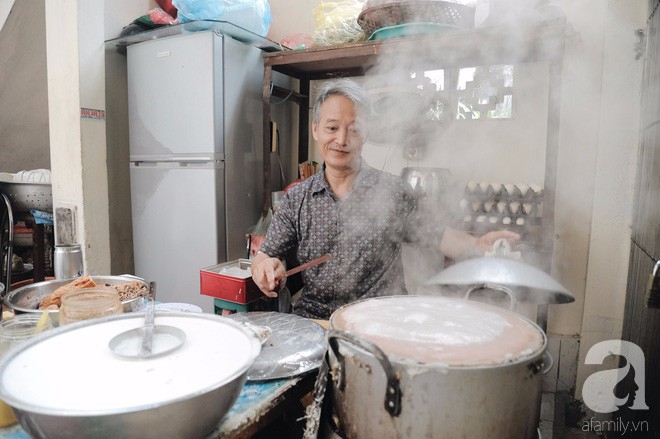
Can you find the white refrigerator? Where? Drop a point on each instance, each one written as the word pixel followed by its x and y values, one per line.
pixel 195 121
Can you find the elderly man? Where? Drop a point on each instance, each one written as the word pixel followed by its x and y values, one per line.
pixel 356 213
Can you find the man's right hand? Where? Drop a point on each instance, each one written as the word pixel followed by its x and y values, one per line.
pixel 267 273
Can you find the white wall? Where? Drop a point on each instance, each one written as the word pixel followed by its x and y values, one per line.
pixel 118 14
pixel 291 17
pixel 618 139
pixel 24 142
pixel 5 7
pixel 75 33
pixel 77 145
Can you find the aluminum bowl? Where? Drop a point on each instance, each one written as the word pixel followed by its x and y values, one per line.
pixel 84 399
pixel 26 299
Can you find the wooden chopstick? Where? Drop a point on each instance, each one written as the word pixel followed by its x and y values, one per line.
pixel 313 263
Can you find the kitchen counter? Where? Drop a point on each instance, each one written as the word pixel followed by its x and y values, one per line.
pixel 258 404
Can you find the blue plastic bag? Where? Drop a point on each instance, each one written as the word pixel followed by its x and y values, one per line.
pixel 252 15
pixel 42 217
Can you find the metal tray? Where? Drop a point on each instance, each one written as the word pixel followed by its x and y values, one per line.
pixel 296 345
pixel 26 299
pixel 26 196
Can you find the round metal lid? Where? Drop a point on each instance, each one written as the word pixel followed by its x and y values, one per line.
pixel 433 329
pixel 294 345
pixel 72 370
pixel 527 283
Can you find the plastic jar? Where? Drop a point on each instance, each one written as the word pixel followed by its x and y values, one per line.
pixel 12 332
pixel 89 303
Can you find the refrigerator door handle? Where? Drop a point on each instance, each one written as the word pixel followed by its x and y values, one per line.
pixel 178 164
pixel 178 158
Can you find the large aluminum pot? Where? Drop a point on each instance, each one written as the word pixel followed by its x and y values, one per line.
pixel 66 383
pixel 26 298
pixel 434 367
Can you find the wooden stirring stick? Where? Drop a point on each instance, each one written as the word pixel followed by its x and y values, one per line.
pixel 313 263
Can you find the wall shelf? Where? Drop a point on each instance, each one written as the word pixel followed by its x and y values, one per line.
pixel 451 48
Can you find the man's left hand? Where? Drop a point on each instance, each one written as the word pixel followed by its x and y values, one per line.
pixel 486 241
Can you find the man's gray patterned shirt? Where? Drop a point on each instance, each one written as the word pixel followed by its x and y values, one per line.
pixel 363 232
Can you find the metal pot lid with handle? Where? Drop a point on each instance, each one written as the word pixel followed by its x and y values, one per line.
pixel 291 344
pixel 527 283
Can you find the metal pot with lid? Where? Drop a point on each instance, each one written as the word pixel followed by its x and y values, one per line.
pixel 67 383
pixel 426 366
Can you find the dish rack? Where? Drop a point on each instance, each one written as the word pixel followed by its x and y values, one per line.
pixel 378 14
pixel 501 204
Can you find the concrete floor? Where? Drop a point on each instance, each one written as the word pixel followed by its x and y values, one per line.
pixel 576 433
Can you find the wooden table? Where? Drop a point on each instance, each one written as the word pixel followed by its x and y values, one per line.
pixel 258 404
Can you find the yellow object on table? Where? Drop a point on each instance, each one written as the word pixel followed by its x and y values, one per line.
pixel 7 416
pixel 324 323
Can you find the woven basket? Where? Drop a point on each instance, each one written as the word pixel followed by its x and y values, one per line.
pixel 394 13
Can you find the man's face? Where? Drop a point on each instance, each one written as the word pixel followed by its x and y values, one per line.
pixel 339 134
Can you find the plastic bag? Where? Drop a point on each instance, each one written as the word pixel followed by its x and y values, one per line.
pixel 253 15
pixel 167 6
pixel 159 16
pixel 298 41
pixel 190 10
pixel 42 217
pixel 336 22
pixel 31 176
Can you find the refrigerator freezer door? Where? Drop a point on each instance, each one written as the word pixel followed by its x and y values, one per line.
pixel 173 103
pixel 178 226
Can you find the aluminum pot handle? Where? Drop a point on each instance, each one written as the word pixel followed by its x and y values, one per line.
pixel 548 362
pixel 9 245
pixel 393 389
pixel 501 288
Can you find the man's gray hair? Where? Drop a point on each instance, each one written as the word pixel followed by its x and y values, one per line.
pixel 342 87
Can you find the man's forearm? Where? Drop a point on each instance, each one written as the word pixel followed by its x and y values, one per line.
pixel 458 245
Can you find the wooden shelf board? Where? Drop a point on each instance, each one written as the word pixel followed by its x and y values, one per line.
pixel 543 41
